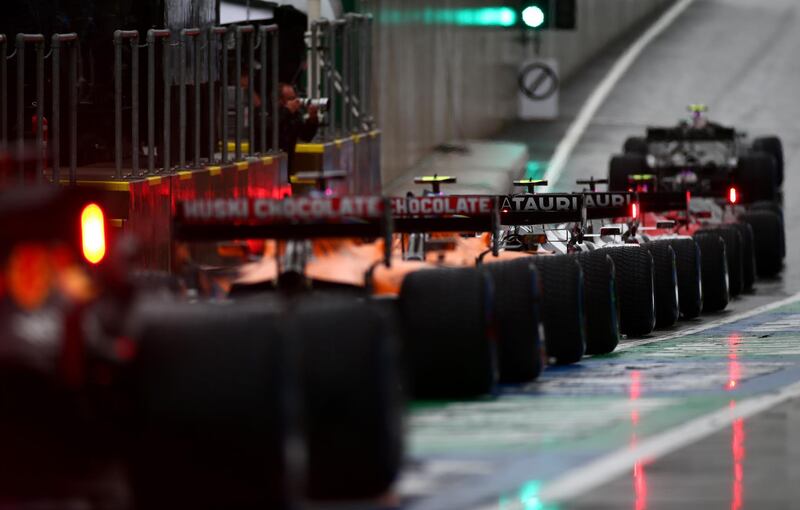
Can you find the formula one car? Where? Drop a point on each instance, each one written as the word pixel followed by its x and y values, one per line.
pixel 730 180
pixel 63 299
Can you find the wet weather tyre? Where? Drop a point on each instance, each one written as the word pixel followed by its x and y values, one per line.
pixel 212 396
pixel 734 254
pixel 748 255
pixel 777 209
pixel 445 314
pixel 635 289
pixel 635 145
pixel 756 177
pixel 772 145
pixel 623 166
pixel 665 280
pixel 350 396
pixel 690 284
pixel 767 229
pixel 716 294
pixel 602 316
pixel 517 319
pixel 563 308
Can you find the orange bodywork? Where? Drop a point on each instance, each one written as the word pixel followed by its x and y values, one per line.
pixel 347 262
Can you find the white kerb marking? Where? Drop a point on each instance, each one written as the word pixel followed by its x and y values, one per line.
pixel 589 109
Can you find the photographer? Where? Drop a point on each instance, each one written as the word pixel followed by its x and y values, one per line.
pixel 292 125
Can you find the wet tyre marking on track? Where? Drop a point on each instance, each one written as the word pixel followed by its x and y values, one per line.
pixel 546 433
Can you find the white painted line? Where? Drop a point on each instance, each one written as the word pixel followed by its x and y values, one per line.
pixel 605 469
pixel 595 101
pixel 713 324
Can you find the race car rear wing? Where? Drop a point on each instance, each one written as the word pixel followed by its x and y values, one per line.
pixel 680 134
pixel 612 204
pixel 225 219
pixel 445 213
pixel 541 208
pixel 664 201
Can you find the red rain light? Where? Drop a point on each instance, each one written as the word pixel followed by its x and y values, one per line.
pixel 634 210
pixel 733 195
pixel 93 233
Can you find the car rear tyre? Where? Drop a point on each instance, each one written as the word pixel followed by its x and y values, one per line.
pixel 563 308
pixel 734 254
pixel 623 166
pixel 768 236
pixel 352 406
pixel 635 145
pixel 445 316
pixel 635 289
pixel 756 177
pixel 665 279
pixel 517 318
pixel 602 317
pixel 690 283
pixel 748 255
pixel 772 145
pixel 777 209
pixel 716 294
pixel 213 422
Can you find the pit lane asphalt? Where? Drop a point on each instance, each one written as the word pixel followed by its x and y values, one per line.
pixel 740 58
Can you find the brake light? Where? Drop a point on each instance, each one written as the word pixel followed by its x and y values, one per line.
pixel 634 210
pixel 93 233
pixel 733 195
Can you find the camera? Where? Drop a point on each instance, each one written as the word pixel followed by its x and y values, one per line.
pixel 321 103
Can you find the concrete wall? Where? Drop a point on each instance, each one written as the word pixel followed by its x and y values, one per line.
pixel 436 83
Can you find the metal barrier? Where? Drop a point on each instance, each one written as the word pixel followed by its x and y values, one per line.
pixel 38 41
pixel 340 57
pixel 120 36
pixel 72 80
pixel 206 47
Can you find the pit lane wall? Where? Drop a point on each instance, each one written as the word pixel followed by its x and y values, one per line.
pixel 436 83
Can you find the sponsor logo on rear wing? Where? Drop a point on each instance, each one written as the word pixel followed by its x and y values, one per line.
pixel 681 134
pixel 290 218
pixel 664 201
pixel 541 208
pixel 607 205
pixel 450 213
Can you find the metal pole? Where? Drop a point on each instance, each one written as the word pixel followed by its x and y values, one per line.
pixel 238 95
pixel 224 93
pixel 251 93
pixel 119 36
pixel 262 82
pixel 152 36
pixel 346 104
pixel 197 105
pixel 212 53
pixel 313 85
pixel 134 42
pixel 39 110
pixel 366 104
pixel 151 102
pixel 167 62
pixel 73 113
pixel 55 45
pixel 182 104
pixel 330 60
pixel 118 104
pixel 276 104
pixel 20 44
pixel 3 94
